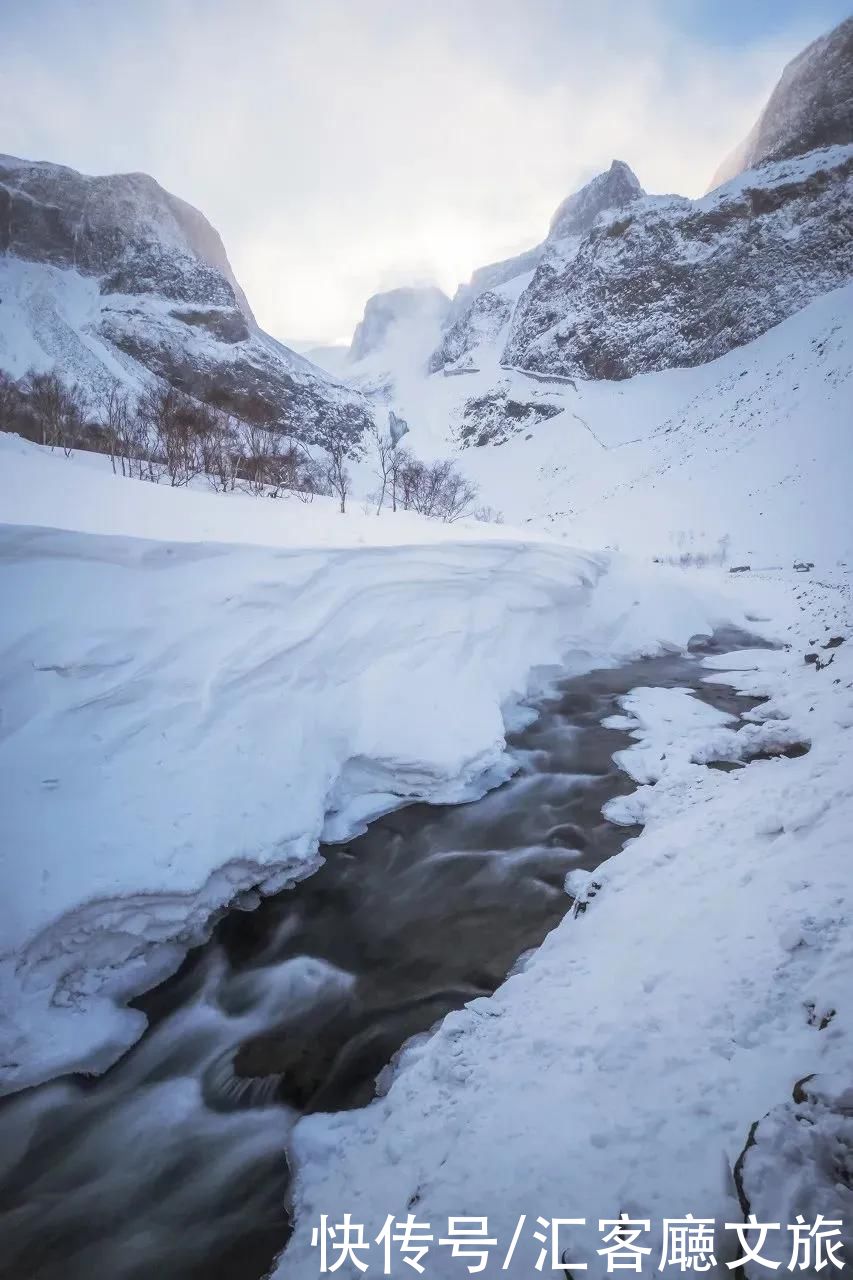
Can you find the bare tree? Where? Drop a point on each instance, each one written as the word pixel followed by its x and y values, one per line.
pixel 45 396
pixel 114 414
pixel 220 448
pixel 406 478
pixel 178 425
pixel 337 471
pixel 436 489
pixel 255 456
pixel 384 449
pixel 397 463
pixel 455 495
pixel 57 408
pixel 341 443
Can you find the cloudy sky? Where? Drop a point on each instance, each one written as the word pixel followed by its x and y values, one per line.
pixel 346 146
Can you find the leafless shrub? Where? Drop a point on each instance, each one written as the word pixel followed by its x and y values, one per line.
pixel 437 489
pixel 219 442
pixel 488 515
pixel 119 422
pixel 178 425
pixel 337 472
pixel 58 409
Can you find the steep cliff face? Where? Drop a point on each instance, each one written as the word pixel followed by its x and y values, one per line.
pixel 397 308
pixel 671 282
pixel 811 106
pixel 124 228
pixel 109 278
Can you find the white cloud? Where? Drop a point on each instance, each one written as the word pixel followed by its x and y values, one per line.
pixel 341 146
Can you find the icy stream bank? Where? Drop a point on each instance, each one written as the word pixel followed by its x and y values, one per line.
pixel 174 1162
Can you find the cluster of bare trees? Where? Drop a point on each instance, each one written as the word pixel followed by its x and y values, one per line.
pixel 167 435
pixel 436 489
pixel 43 408
pixel 162 435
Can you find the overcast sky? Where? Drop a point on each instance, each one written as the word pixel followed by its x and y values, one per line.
pixel 346 146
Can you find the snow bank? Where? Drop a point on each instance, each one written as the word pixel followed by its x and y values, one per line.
pixel 183 720
pixel 180 720
pixel 622 1068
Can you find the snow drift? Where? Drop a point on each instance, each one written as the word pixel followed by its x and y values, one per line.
pixel 182 721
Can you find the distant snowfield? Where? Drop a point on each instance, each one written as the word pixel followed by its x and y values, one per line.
pixel 184 717
pixel 752 449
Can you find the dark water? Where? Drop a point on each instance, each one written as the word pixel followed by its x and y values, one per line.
pixel 173 1164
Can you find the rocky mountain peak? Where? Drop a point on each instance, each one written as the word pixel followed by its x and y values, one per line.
pixel 112 278
pixel 811 106
pixel 613 189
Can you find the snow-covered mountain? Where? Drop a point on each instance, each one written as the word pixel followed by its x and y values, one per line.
pixel 746 457
pixel 483 306
pixel 671 282
pixel 385 312
pixel 113 278
pixel 627 282
pixel 811 106
pixel 578 214
pixel 652 344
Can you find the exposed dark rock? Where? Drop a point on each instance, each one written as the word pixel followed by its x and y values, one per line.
pixel 497 416
pixel 139 249
pixel 681 282
pixel 224 325
pixel 811 106
pixel 122 227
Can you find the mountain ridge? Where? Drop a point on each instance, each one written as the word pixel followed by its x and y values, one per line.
pixel 113 278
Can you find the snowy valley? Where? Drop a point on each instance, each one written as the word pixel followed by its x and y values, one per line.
pixel 358 861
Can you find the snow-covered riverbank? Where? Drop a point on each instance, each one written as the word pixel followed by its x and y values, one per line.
pixel 184 718
pixel 711 971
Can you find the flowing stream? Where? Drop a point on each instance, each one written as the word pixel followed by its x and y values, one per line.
pixel 173 1164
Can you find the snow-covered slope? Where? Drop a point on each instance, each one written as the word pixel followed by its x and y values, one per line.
pixel 810 107
pixel 749 453
pixel 113 277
